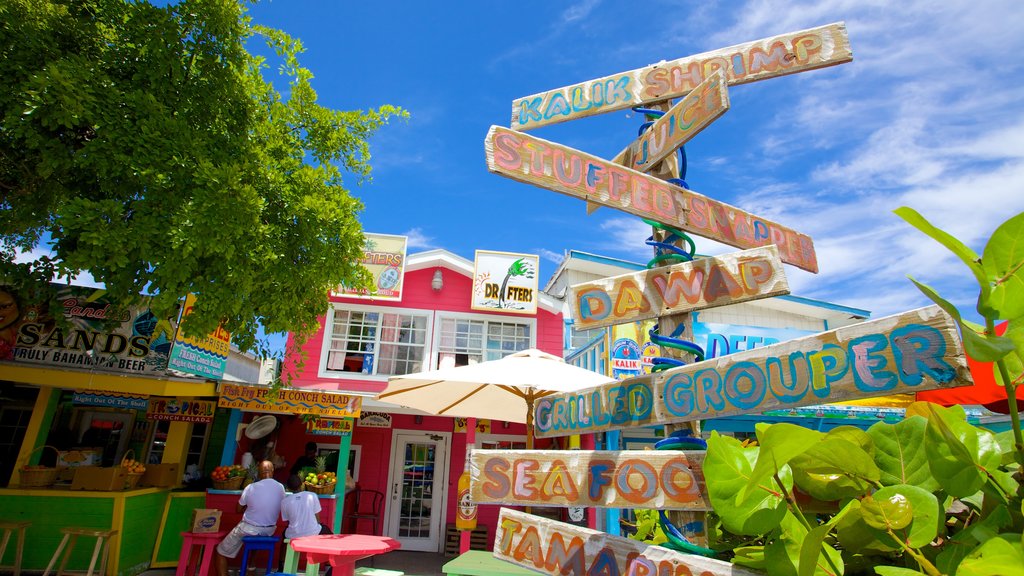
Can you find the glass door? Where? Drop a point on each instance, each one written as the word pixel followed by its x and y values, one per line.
pixel 416 504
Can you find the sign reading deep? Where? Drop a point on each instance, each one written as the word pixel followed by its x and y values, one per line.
pixel 616 479
pixel 909 352
pixel 552 547
pixel 696 285
pixel 767 58
pixel 561 169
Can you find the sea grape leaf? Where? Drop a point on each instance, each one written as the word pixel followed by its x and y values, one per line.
pixel 749 556
pixel 999 556
pixel 779 444
pixel 1003 264
pixel 896 571
pixel 965 541
pixel 1014 361
pixel 854 435
pixel 834 468
pixel 855 535
pixel 968 256
pixel 900 454
pixel 811 553
pixel 926 514
pixel 886 513
pixel 727 470
pixel 983 348
pixel 959 454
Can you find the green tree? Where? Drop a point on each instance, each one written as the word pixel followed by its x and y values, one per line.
pixel 146 146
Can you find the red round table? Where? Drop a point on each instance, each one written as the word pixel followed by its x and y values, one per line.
pixel 342 550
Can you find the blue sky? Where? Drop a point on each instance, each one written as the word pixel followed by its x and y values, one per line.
pixel 927 115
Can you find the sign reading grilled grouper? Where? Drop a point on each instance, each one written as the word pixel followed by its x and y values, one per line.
pixel 561 169
pixel 909 352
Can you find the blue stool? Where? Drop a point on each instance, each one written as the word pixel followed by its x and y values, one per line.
pixel 255 544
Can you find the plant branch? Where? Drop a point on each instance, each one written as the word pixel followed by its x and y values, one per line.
pixel 923 562
pixel 1011 401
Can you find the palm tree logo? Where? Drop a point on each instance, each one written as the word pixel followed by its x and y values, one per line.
pixel 520 267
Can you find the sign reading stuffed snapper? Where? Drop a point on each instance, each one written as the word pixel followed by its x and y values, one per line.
pixel 909 352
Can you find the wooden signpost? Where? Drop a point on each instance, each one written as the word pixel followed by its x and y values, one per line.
pixel 767 58
pixel 703 283
pixel 561 169
pixel 607 479
pixel 909 352
pixel 552 547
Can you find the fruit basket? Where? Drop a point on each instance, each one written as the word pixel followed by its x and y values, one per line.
pixel 134 470
pixel 228 477
pixel 320 481
pixel 38 476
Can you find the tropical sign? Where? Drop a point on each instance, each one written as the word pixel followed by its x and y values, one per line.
pixel 98 335
pixel 505 282
pixel 384 258
pixel 552 547
pixel 206 356
pixel 289 400
pixel 329 426
pixel 909 352
pixel 758 60
pixel 175 410
pixel 109 400
pixel 702 283
pixel 562 169
pixel 666 479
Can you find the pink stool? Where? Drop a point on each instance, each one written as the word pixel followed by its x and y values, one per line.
pixel 207 541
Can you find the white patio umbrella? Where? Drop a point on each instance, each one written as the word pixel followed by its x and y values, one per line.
pixel 504 389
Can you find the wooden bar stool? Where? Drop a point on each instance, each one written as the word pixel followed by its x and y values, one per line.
pixel 70 536
pixel 255 544
pixel 291 561
pixel 9 528
pixel 206 542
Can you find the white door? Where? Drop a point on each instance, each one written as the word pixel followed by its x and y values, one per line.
pixel 416 502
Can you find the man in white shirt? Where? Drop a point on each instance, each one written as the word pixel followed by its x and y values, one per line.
pixel 299 509
pixel 261 502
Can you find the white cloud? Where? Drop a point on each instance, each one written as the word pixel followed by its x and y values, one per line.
pixel 419 240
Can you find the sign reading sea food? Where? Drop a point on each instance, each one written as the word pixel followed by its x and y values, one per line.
pixel 289 400
pixel 609 479
pixel 561 169
pixel 552 547
pixel 767 58
pixel 909 352
pixel 384 258
pixel 206 356
pixel 505 282
pixel 695 285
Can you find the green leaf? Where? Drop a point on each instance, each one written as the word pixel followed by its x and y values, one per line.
pixel 854 533
pixel 900 454
pixel 982 348
pixel 1014 361
pixel 749 556
pixel 959 454
pixel 779 443
pixel 997 557
pixel 727 469
pixel 965 541
pixel 896 571
pixel 1003 264
pixel 926 514
pixel 961 250
pixel 835 468
pixel 812 556
pixel 891 512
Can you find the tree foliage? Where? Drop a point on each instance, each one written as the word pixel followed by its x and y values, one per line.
pixel 143 144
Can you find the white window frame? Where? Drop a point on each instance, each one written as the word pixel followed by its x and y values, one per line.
pixel 441 315
pixel 325 348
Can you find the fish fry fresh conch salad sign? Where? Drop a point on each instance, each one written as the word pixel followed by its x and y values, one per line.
pixel 505 282
pixel 384 258
pixel 906 353
pixel 610 479
pixel 290 400
pixel 552 547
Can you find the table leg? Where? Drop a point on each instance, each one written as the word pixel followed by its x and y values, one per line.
pixel 343 566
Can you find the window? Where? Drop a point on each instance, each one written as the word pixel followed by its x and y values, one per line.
pixel 377 342
pixel 580 338
pixel 472 340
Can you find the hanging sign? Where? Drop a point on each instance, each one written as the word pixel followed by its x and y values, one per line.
pixel 329 427
pixel 664 479
pixel 909 352
pixel 758 60
pixel 483 425
pixel 561 169
pixel 109 400
pixel 505 282
pixel 702 283
pixel 207 356
pixel 174 410
pixel 289 400
pixel 374 420
pixel 552 547
pixel 384 258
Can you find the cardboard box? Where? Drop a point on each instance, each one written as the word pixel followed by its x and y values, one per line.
pixel 205 520
pixel 161 475
pixel 100 479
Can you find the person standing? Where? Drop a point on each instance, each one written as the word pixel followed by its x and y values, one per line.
pixel 307 460
pixel 261 504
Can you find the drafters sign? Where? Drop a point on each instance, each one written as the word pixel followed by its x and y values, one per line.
pixel 561 169
pixel 616 479
pixel 558 548
pixel 909 352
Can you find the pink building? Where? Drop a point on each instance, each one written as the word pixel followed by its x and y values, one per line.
pixel 413 458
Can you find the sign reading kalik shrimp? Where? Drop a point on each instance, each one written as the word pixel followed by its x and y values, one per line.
pixel 505 282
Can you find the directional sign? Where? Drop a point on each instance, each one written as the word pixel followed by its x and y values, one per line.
pixel 679 125
pixel 552 547
pixel 767 58
pixel 561 169
pixel 702 283
pixel 665 479
pixel 906 353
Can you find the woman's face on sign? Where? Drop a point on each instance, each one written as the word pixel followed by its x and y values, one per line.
pixel 8 309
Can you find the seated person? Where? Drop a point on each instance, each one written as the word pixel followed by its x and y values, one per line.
pixel 299 509
pixel 261 503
